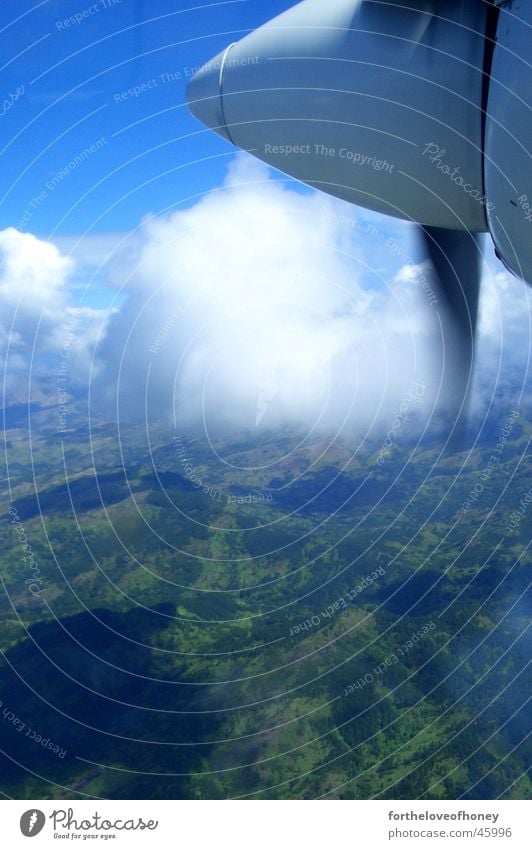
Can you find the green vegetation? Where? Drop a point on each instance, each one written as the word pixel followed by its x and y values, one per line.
pixel 316 626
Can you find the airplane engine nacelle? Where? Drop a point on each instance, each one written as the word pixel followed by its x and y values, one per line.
pixel 376 103
pixel 508 140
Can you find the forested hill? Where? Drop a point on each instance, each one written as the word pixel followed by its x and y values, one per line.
pixel 266 617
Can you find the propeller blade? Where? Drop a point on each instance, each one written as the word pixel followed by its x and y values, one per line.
pixel 456 260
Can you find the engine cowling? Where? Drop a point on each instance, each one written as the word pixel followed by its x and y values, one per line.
pixel 375 103
pixel 508 165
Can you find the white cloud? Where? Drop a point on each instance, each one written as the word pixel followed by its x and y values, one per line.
pixel 277 317
pixel 32 272
pixel 504 307
pixel 261 305
pixel 36 317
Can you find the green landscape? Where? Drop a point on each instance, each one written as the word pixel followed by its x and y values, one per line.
pixel 267 617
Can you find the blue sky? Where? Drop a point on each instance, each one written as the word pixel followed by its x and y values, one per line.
pixel 68 78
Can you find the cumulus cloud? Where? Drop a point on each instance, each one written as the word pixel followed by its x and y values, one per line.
pixel 32 280
pixel 37 318
pixel 261 306
pixel 504 315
